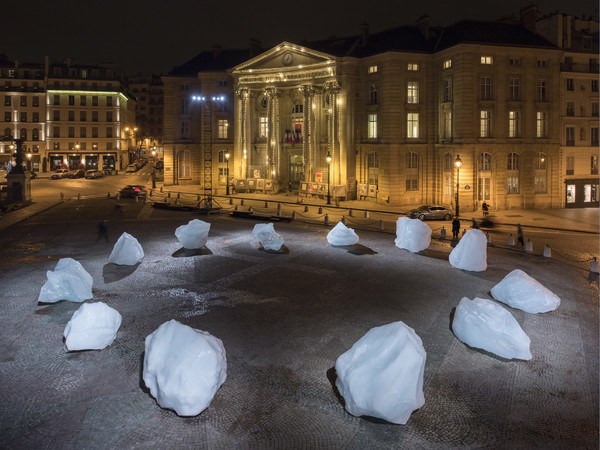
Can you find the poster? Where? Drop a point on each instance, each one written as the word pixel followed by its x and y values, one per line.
pixel 268 185
pixel 256 173
pixel 303 187
pixel 319 177
pixel 252 184
pixel 372 190
pixel 260 184
pixel 362 190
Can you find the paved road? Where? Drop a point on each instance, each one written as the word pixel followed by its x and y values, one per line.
pixel 284 319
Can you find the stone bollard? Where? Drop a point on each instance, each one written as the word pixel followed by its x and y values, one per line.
pixel 547 251
pixel 266 204
pixel 380 225
pixel 511 240
pixel 343 220
pixel 230 201
pixel 366 214
pixel 350 213
pixel 528 246
pixel 161 189
pixel 305 208
pixel 320 210
pixel 293 215
pixel 594 266
pixel 443 233
pixel 464 232
pixel 326 220
pixel 488 237
pixel 236 208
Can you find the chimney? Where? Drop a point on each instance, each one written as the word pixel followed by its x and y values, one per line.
pixel 255 47
pixel 365 33
pixel 216 50
pixel 529 15
pixel 423 25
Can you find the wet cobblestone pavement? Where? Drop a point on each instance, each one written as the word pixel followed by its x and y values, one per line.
pixel 284 319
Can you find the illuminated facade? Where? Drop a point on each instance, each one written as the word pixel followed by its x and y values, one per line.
pixel 69 115
pixel 149 95
pixel 393 110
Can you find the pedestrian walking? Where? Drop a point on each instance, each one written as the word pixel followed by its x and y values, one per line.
pixel 455 228
pixel 484 208
pixel 520 235
pixel 103 230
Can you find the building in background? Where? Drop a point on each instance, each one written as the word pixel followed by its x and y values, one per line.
pixel 579 122
pixel 149 96
pixel 70 115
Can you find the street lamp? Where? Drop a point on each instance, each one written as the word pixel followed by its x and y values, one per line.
pixel 227 155
pixel 29 155
pixel 328 159
pixel 457 163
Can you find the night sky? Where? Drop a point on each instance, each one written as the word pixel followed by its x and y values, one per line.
pixel 153 36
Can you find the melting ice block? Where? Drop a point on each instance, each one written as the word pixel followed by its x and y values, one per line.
pixel 521 291
pixel 382 374
pixel 94 326
pixel 471 252
pixel 484 324
pixel 69 281
pixel 193 235
pixel 183 367
pixel 342 235
pixel 127 251
pixel 266 235
pixel 412 234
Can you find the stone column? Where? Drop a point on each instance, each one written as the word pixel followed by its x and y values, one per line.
pixel 333 131
pixel 244 127
pixel 308 147
pixel 273 139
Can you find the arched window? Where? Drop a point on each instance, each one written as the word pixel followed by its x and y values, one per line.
pixel 23 133
pixel 512 175
pixel 513 162
pixel 540 176
pixel 35 134
pixel 412 172
pixel 373 94
pixel 185 164
pixel 484 162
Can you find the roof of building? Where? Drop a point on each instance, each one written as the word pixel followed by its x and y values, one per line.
pixel 404 38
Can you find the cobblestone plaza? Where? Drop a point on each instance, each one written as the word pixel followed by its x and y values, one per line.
pixel 284 318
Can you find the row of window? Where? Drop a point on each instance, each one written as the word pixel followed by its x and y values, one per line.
pixel 57 115
pixel 570 136
pixel 83 100
pixel 35 100
pixel 23 115
pixel 81 146
pixel 571 85
pixel 489 60
pixel 109 132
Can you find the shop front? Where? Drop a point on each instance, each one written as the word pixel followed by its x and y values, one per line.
pixel 581 193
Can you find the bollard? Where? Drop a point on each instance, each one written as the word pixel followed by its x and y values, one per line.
pixel 293 215
pixel 464 232
pixel 343 220
pixel 443 233
pixel 161 189
pixel 366 214
pixel 326 220
pixel 305 208
pixel 380 225
pixel 528 246
pixel 594 266
pixel 230 201
pixel 511 240
pixel 236 208
pixel 488 237
pixel 350 213
pixel 266 204
pixel 547 251
pixel 320 210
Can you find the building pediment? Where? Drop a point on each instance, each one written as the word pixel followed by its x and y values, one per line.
pixel 283 63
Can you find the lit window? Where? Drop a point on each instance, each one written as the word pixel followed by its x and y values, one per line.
pixel 223 126
pixel 412 125
pixel 412 95
pixel 486 60
pixel 447 64
pixel 372 69
pixel 372 126
pixel 514 124
pixel 541 124
pixel 264 127
pixel 412 67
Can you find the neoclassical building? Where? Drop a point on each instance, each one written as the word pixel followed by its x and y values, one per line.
pixel 391 112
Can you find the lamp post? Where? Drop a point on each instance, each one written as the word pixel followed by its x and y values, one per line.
pixel 328 158
pixel 457 163
pixel 227 155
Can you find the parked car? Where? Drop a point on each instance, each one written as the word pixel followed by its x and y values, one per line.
pixel 131 168
pixel 430 212
pixel 133 190
pixel 60 173
pixel 76 174
pixel 93 173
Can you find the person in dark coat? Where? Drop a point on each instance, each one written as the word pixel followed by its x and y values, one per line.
pixel 455 228
pixel 520 235
pixel 103 230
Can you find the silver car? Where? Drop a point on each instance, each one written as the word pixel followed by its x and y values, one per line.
pixel 431 212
